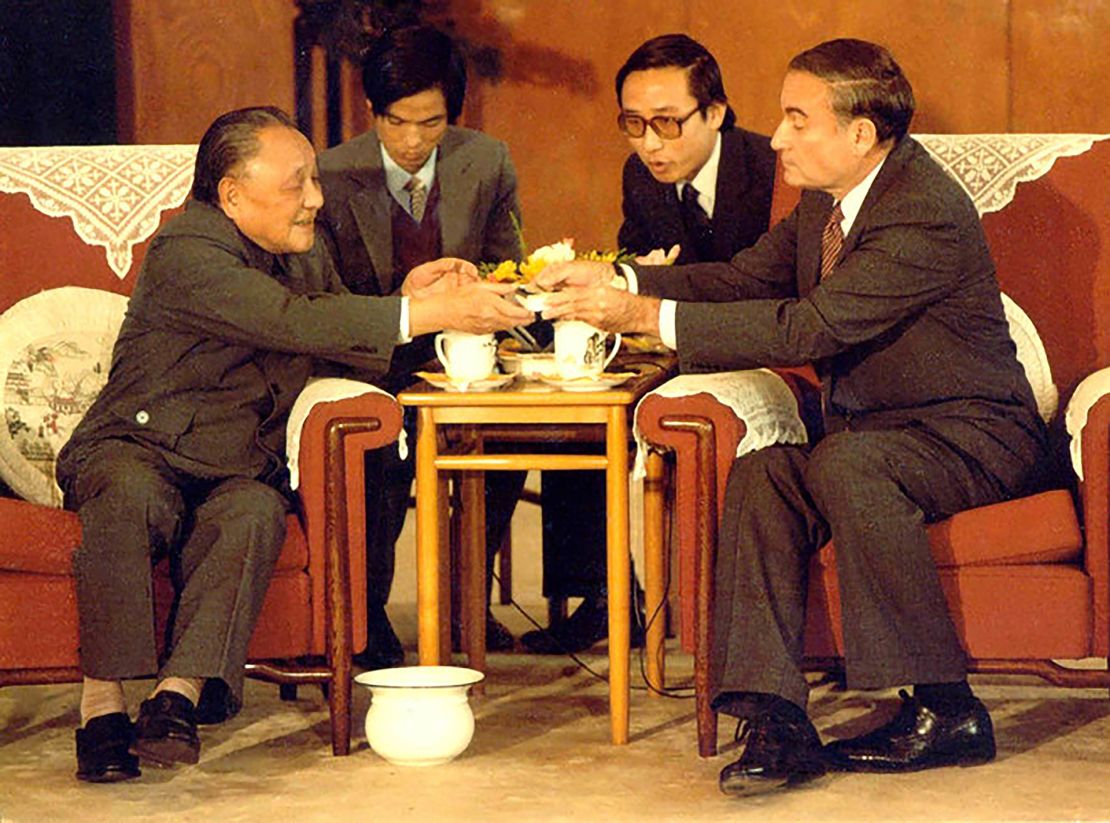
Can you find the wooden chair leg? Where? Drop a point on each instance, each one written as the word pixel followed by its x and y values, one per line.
pixel 288 691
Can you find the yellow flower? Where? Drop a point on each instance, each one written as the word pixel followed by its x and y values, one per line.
pixel 505 272
pixel 602 256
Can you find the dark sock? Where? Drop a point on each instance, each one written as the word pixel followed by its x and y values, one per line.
pixel 945 698
pixel 749 705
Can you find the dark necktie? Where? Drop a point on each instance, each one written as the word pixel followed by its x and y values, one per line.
pixel 832 241
pixel 418 198
pixel 698 224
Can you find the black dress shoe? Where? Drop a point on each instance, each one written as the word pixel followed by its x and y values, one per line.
pixel 919 738
pixel 778 753
pixel 217 704
pixel 166 731
pixel 103 754
pixel 373 659
pixel 498 638
pixel 383 647
pixel 588 625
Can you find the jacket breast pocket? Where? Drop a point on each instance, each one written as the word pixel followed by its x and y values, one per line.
pixel 156 420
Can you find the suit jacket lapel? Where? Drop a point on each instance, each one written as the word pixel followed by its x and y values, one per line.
pixel 453 179
pixel 372 210
pixel 811 220
pixel 813 211
pixel 732 182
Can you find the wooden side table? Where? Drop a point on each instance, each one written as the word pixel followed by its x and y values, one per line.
pixel 526 412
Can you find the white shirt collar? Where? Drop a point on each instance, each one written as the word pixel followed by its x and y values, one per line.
pixel 705 181
pixel 396 178
pixel 851 203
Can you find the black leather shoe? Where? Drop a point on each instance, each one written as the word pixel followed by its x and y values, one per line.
pixel 919 738
pixel 383 648
pixel 166 731
pixel 777 754
pixel 103 754
pixel 498 638
pixel 588 625
pixel 216 704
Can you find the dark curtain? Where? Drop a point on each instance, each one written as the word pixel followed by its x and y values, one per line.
pixel 57 73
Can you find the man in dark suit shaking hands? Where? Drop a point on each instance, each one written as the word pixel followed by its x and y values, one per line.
pixel 696 189
pixel 882 278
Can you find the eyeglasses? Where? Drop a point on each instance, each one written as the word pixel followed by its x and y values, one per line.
pixel 667 127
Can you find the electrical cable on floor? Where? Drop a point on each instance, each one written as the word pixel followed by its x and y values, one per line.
pixel 677 693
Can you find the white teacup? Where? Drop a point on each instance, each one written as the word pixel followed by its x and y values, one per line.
pixel 466 357
pixel 580 349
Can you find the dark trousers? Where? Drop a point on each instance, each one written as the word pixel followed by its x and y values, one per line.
pixel 574 538
pixel 872 493
pixel 222 537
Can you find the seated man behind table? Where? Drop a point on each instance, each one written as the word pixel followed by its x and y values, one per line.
pixel 882 278
pixel 182 453
pixel 697 187
pixel 413 188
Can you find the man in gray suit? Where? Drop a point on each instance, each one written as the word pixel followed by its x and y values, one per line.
pixel 412 189
pixel 881 277
pixel 183 452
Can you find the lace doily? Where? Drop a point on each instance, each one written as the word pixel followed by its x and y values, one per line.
pixel 989 166
pixel 324 390
pixel 114 195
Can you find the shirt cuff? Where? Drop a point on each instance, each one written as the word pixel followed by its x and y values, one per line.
pixel 630 278
pixel 404 334
pixel 667 334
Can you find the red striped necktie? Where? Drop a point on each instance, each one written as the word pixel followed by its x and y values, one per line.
pixel 832 241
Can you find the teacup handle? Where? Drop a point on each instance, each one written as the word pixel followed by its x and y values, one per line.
pixel 613 353
pixel 440 354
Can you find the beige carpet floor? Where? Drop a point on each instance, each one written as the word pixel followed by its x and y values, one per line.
pixel 541 753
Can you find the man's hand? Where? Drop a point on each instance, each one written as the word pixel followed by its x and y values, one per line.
pixel 582 273
pixel 439 277
pixel 605 307
pixel 475 307
pixel 658 257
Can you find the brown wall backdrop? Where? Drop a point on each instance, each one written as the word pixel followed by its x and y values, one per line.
pixel 976 66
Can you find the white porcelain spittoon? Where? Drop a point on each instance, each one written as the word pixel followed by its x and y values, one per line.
pixel 419 715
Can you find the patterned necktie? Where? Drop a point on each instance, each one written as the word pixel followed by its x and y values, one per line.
pixel 418 198
pixel 832 241
pixel 697 223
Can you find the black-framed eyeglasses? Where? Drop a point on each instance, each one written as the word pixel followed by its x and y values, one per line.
pixel 667 127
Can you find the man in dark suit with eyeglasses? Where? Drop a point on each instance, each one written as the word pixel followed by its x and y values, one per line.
pixel 697 189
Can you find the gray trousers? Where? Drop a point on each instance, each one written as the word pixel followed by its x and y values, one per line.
pixel 222 537
pixel 872 493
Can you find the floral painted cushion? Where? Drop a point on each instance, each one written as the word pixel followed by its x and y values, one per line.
pixel 55 353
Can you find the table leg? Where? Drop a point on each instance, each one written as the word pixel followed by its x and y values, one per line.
pixel 473 566
pixel 616 487
pixel 654 572
pixel 427 540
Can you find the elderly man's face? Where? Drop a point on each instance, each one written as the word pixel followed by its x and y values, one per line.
pixel 817 151
pixel 274 198
pixel 412 127
pixel 666 93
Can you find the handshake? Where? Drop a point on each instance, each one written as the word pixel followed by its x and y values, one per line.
pixel 449 293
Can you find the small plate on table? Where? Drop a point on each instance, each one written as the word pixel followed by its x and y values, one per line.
pixel 442 381
pixel 606 380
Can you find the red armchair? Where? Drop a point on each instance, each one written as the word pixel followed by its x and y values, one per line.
pixel 1028 580
pixel 83 217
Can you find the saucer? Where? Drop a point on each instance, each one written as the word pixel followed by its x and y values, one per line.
pixel 442 381
pixel 606 380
